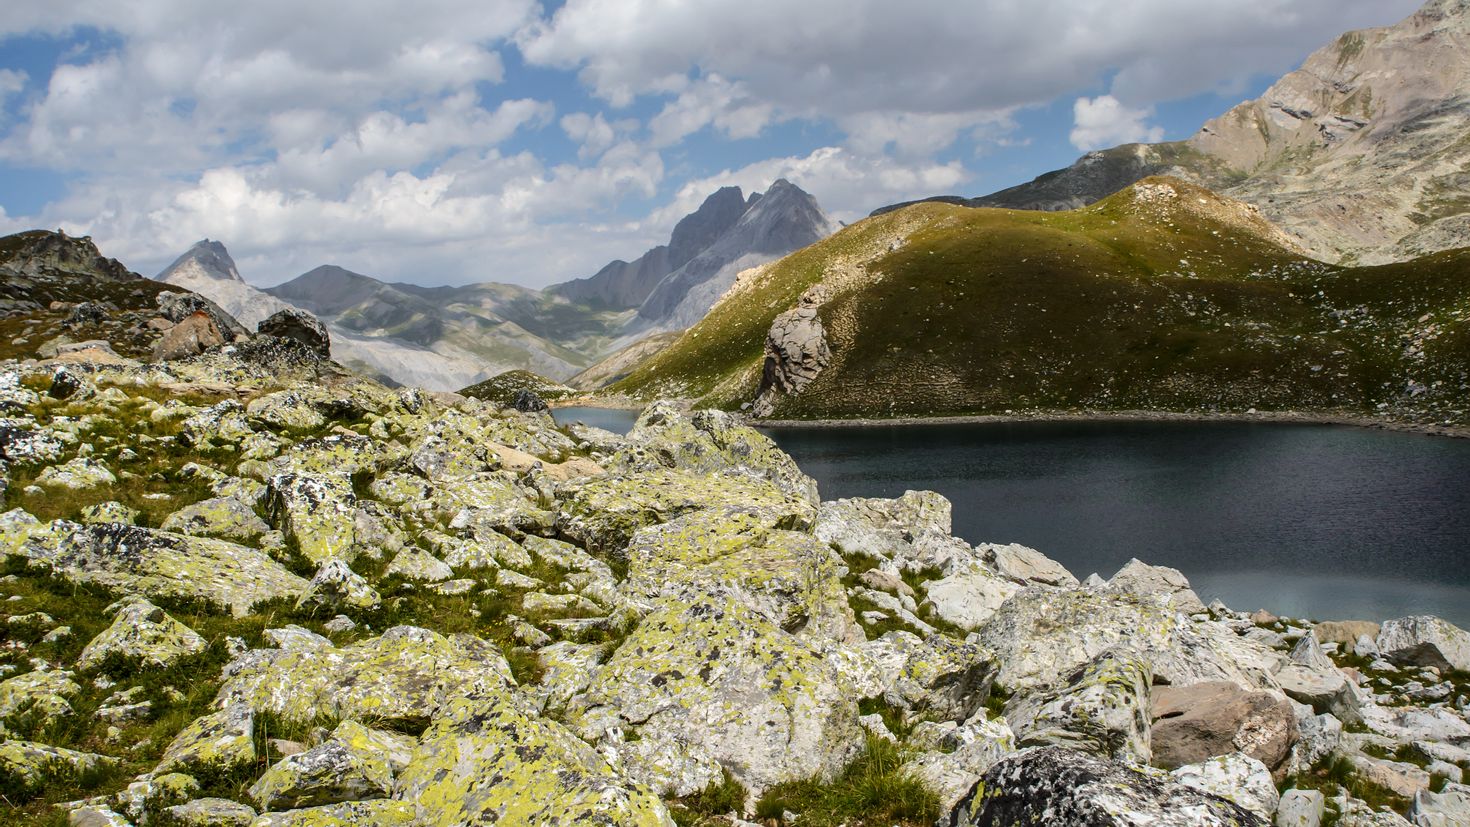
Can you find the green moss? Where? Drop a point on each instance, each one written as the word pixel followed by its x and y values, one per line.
pixel 707 807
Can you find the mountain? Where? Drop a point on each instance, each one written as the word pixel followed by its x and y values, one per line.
pixel 674 286
pixel 624 285
pixel 378 329
pixel 621 362
pixel 1163 296
pixel 1360 154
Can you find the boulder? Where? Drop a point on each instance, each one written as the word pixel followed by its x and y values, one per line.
pixel 190 337
pixel 1425 640
pixel 1203 720
pixel 603 515
pixel 1448 808
pixel 43 692
pixel 976 747
pixel 290 323
pixel 527 401
pixel 884 529
pixel 710 684
pixel 1234 777
pixel 208 812
pixel 28 766
pixel 1300 808
pixel 1405 780
pixel 375 813
pixel 329 773
pixel 707 442
pixel 1101 708
pixel 796 351
pixel 176 307
pixel 142 635
pixel 968 597
pixel 318 512
pixel 336 585
pixel 1023 635
pixel 111 511
pixel 539 772
pixel 1309 676
pixel 160 564
pixel 1026 565
pixel 402 676
pixel 225 518
pixel 1139 578
pixel 1053 785
pixel 936 678
pixel 1345 632
pixel 214 746
pixel 79 474
pixel 94 816
pixel 416 564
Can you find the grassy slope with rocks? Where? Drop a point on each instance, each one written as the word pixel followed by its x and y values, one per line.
pixel 1144 301
pixel 503 388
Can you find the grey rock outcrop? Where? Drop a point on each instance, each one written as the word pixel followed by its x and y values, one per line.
pixel 290 323
pixel 1425 641
pixel 1053 785
pixel 796 352
pixel 1192 723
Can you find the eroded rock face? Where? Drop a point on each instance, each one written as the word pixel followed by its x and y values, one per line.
pixel 195 334
pixel 1053 785
pixel 796 353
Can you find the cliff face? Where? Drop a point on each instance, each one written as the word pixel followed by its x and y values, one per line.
pixel 1360 154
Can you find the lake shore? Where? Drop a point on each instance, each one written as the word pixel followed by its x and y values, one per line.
pixel 1298 417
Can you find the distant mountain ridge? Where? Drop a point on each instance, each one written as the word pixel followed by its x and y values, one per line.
pixel 1360 154
pixel 673 286
pixel 451 337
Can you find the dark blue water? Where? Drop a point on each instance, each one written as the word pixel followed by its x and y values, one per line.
pixel 1306 520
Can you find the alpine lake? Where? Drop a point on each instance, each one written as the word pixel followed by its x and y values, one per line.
pixel 1315 521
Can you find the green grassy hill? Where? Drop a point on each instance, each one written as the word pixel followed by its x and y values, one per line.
pixel 1163 296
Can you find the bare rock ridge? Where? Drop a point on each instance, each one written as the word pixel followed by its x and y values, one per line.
pixel 786 218
pixel 205 259
pixel 1359 154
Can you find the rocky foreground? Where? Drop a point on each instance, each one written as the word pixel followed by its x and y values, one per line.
pixel 244 587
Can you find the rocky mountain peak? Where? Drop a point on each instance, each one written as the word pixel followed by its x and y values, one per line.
pixel 699 229
pixel 207 259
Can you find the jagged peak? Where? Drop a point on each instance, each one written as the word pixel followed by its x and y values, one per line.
pixel 206 257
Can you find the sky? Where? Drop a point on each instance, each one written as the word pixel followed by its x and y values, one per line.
pixel 458 141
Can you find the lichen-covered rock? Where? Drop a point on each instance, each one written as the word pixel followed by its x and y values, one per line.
pixel 791 578
pixel 208 812
pixel 1234 777
pixel 152 794
pixel 1139 578
pixel 144 635
pixel 977 746
pixel 1300 808
pixel 44 692
pixel 1025 565
pixel 159 563
pixel 936 678
pixel 375 813
pixel 1053 785
pixel 225 518
pixel 336 584
pixel 884 529
pixel 391 747
pixel 329 773
pixel 710 683
pixel 604 514
pixel 318 512
pixel 288 409
pixel 1309 676
pixel 417 564
pixel 1101 708
pixel 487 502
pixel 539 772
pixel 93 816
pixel 1425 640
pixel 1023 635
pixel 111 511
pixel 220 424
pixel 1192 723
pixel 969 596
pixel 1448 808
pixel 78 474
pixel 402 676
pixel 214 746
pixel 291 323
pixel 27 766
pixel 338 453
pixel 707 442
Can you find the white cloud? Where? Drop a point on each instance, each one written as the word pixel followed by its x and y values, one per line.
pixel 592 132
pixel 11 81
pixel 1103 121
pixel 711 101
pixel 838 58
